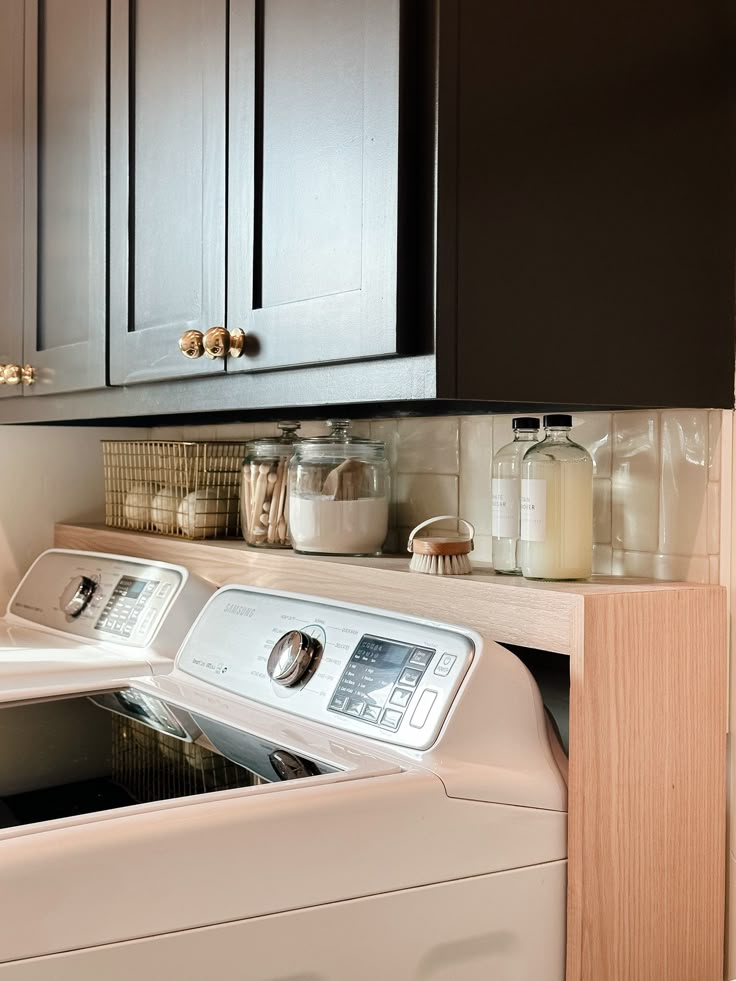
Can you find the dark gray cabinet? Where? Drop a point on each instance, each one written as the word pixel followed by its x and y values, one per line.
pixel 65 224
pixel 305 233
pixel 400 201
pixel 11 187
pixel 589 221
pixel 313 183
pixel 168 96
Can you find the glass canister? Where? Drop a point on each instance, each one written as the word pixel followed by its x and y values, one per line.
pixel 264 501
pixel 339 494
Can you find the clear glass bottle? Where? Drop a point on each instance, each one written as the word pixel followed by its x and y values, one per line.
pixel 339 494
pixel 506 495
pixel 557 505
pixel 264 502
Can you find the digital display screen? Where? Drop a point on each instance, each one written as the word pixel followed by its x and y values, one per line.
pixel 134 587
pixel 379 680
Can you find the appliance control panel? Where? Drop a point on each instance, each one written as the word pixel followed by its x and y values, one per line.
pixel 383 676
pixel 108 598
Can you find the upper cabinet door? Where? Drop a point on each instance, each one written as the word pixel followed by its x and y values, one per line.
pixel 313 179
pixel 11 187
pixel 65 193
pixel 167 183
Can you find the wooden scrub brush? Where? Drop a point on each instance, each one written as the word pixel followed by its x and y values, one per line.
pixel 441 556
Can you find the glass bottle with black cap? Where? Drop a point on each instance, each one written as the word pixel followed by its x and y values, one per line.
pixel 557 505
pixel 506 495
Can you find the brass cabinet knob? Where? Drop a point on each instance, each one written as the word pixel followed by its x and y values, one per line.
pixel 12 374
pixel 190 344
pixel 2 374
pixel 219 342
pixel 28 375
pixel 237 342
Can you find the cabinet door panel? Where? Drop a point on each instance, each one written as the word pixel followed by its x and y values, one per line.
pixel 168 182
pixel 66 121
pixel 11 187
pixel 312 150
pixel 314 95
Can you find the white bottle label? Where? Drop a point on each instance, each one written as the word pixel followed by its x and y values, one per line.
pixel 533 510
pixel 504 507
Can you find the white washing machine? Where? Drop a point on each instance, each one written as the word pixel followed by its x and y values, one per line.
pixel 87 619
pixel 316 791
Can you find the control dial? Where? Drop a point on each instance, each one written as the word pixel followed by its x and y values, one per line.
pixel 291 657
pixel 76 596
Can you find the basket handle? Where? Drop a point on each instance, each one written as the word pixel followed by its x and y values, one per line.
pixel 441 517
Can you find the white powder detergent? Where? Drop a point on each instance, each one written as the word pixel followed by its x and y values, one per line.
pixel 322 524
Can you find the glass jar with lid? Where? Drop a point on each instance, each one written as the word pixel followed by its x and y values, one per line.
pixel 339 494
pixel 264 503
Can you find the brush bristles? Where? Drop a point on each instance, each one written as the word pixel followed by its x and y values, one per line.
pixel 441 565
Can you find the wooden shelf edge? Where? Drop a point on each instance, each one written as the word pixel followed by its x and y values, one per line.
pixel 228 549
pixel 540 615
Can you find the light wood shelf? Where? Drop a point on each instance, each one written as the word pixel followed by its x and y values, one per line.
pixel 648 695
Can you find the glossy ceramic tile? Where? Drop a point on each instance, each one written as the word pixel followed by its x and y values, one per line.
pixel 429 445
pixel 240 430
pixel 602 511
pixel 502 431
pixel 637 564
pixel 602 560
pixel 635 478
pixel 715 419
pixel 476 435
pixel 424 495
pixel 386 431
pixel 593 431
pixel 682 568
pixel 714 518
pixel 683 511
pixel 483 552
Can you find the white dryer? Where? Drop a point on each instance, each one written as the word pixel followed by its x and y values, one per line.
pixel 316 791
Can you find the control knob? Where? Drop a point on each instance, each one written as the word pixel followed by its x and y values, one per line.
pixel 76 596
pixel 291 657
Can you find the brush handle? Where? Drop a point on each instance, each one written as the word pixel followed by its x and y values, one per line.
pixel 441 517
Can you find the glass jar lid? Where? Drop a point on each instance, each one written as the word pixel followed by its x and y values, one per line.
pixel 340 442
pixel 282 445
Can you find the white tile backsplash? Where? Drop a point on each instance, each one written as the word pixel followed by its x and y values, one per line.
pixel 635 476
pixel 656 514
pixel 593 431
pixel 601 511
pixel 683 512
pixel 688 568
pixel 714 445
pixel 502 431
pixel 637 564
pixel 714 517
pixel 657 490
pixel 476 451
pixel 429 445
pixel 602 560
pixel 424 495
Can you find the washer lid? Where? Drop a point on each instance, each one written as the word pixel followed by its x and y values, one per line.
pixel 37 664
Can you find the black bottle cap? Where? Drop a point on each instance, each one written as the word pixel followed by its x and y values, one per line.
pixel 525 422
pixel 557 420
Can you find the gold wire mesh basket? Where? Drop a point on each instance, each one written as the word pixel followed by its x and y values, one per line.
pixel 152 766
pixel 189 489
